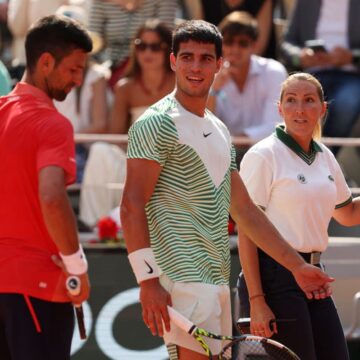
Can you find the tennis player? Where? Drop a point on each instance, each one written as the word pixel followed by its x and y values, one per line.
pixel 181 183
pixel 299 183
pixel 37 222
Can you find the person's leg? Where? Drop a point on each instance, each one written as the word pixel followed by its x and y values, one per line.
pixel 56 321
pixel 4 348
pixel 186 354
pixel 207 306
pixel 296 335
pixel 328 333
pixel 106 165
pixel 287 301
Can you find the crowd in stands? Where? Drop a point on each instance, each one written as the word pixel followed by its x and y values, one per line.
pixel 129 70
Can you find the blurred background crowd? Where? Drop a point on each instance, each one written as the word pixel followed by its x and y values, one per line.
pixel 129 70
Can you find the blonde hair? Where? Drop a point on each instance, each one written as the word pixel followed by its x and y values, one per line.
pixel 316 135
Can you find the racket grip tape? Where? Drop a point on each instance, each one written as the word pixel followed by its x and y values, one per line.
pixel 73 286
pixel 181 321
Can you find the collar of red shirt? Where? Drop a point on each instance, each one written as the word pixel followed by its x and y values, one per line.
pixel 23 88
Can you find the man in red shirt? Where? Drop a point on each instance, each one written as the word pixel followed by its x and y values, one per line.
pixel 36 219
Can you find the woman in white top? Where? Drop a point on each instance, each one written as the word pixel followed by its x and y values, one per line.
pixel 300 186
pixel 148 79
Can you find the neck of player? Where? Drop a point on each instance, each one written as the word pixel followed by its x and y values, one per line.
pixel 193 104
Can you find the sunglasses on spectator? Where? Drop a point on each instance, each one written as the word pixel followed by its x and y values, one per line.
pixel 154 47
pixel 243 43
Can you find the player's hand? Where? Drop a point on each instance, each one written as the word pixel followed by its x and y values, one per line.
pixel 313 281
pixel 84 283
pixel 261 315
pixel 84 290
pixel 154 301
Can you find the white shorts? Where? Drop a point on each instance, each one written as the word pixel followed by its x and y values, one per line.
pixel 207 306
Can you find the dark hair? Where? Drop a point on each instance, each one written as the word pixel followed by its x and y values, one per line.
pixel 239 23
pixel 198 31
pixel 133 68
pixel 57 35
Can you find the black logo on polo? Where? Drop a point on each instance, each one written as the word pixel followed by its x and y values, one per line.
pixel 206 135
pixel 331 178
pixel 150 268
pixel 301 179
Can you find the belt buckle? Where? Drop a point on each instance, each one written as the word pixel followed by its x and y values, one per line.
pixel 315 257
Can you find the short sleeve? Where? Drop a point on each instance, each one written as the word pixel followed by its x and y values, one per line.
pixel 257 175
pixel 56 145
pixel 152 137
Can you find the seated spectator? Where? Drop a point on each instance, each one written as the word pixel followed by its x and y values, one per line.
pixel 245 91
pixel 86 106
pixel 148 79
pixel 334 59
pixel 262 10
pixel 118 20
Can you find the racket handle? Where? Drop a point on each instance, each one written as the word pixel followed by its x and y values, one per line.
pixel 73 286
pixel 181 321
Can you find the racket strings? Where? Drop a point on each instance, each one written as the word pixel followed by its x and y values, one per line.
pixel 256 348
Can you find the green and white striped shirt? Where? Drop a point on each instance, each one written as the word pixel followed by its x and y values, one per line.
pixel 188 211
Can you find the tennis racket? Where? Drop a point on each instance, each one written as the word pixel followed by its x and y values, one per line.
pixel 248 347
pixel 73 286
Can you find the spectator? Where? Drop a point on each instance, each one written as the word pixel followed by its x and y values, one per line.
pixel 86 106
pixel 245 91
pixel 148 79
pixel 21 14
pixel 118 20
pixel 335 62
pixel 5 80
pixel 215 10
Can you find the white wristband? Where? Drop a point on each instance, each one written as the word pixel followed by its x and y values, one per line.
pixel 76 263
pixel 143 264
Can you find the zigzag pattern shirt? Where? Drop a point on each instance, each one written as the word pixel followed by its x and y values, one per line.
pixel 188 211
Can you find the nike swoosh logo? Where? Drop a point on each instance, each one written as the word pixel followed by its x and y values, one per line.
pixel 151 270
pixel 206 135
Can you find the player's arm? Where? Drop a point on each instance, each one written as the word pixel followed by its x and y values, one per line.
pixel 141 178
pixel 254 223
pixel 61 224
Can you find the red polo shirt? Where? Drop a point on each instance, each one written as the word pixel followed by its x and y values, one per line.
pixel 33 135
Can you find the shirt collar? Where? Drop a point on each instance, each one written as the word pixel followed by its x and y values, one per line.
pixel 284 137
pixel 254 65
pixel 23 88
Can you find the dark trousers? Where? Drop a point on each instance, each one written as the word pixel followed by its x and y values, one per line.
pixel 19 339
pixel 316 334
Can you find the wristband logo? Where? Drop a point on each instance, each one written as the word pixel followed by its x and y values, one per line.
pixel 151 270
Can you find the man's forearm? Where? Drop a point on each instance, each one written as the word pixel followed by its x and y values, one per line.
pixel 259 229
pixel 61 224
pixel 135 227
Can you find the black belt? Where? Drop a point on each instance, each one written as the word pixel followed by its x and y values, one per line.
pixel 311 257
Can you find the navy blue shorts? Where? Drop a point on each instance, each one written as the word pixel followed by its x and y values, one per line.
pixel 19 328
